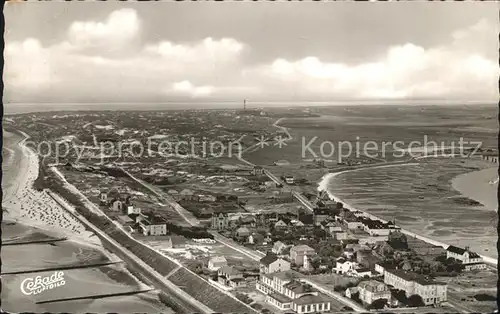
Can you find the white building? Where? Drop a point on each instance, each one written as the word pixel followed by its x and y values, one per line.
pixel 153 225
pixel 133 210
pixel 273 264
pixel 372 290
pixel 217 262
pixel 285 291
pixel 432 292
pixel 470 260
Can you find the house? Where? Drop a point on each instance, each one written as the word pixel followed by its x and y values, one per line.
pixel 363 272
pixel 353 224
pixel 272 264
pixel 283 196
pixel 220 221
pixel 125 220
pixel 174 193
pixel 187 195
pixel 279 247
pixel 284 291
pixel 331 226
pixel 231 277
pixel 257 171
pixel 217 262
pixel 242 232
pixel 280 224
pixel 297 253
pixel 103 198
pixel 430 291
pixel 133 210
pixel 367 259
pixel 117 205
pixel 153 225
pixel 248 221
pixel 344 267
pixel 289 179
pixel 323 195
pixel 470 260
pixel 371 290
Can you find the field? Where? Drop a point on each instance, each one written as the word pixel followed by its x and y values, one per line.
pixel 464 287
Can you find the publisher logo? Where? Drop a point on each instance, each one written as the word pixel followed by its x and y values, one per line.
pixel 32 286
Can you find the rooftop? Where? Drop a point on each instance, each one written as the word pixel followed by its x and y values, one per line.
pixel 154 220
pixel 281 298
pixel 299 287
pixel 288 275
pixel 311 299
pixel 269 259
pixel 371 285
pixel 410 276
pixel 218 259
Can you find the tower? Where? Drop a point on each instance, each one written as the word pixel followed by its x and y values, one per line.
pixel 244 104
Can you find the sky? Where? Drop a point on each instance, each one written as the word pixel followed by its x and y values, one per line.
pixel 98 52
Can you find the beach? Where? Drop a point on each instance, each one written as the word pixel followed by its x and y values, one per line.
pixel 371 190
pixel 32 216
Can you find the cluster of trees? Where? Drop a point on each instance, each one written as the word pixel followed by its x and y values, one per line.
pixel 244 298
pixel 413 301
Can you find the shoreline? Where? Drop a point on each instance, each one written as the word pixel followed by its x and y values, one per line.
pixel 323 185
pixel 478 190
pixel 24 205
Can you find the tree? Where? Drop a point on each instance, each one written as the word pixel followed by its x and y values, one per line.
pixel 415 301
pixel 378 304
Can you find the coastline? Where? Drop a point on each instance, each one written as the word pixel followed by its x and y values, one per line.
pixel 323 185
pixel 23 204
pixel 478 185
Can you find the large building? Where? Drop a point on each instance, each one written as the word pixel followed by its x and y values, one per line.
pixel 430 291
pixel 285 291
pixel 372 290
pixel 470 260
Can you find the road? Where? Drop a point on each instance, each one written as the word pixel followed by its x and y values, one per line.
pixel 128 257
pixel 185 214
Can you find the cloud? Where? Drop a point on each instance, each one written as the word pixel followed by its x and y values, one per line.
pixel 118 30
pixel 103 61
pixel 185 87
pixel 460 69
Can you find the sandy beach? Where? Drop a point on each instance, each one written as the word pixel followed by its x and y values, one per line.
pixel 330 182
pixel 30 215
pixel 25 205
